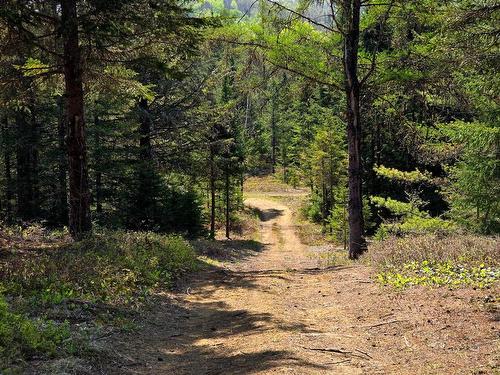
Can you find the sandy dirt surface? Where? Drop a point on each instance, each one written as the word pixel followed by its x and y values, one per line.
pixel 274 310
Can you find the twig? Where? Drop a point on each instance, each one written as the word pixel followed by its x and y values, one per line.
pixel 337 363
pixel 339 351
pixel 407 343
pixel 328 350
pixel 365 353
pixel 388 322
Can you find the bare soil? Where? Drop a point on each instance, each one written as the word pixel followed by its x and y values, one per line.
pixel 271 308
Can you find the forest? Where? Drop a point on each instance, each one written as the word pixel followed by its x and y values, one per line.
pixel 190 186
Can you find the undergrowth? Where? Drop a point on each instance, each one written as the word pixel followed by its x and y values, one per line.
pixel 108 268
pixel 431 260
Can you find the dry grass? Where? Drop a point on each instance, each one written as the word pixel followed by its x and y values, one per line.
pixel 465 249
pixel 269 183
pixel 246 225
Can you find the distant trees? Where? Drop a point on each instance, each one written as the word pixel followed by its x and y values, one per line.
pixel 137 114
pixel 73 38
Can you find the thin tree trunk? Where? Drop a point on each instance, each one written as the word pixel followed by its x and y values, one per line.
pixel 62 194
pixel 357 243
pixel 145 132
pixel 273 136
pixel 34 156
pixel 228 204
pixel 98 173
pixel 79 197
pixel 212 192
pixel 8 174
pixel 23 168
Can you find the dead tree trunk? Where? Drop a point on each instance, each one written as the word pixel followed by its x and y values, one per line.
pixel 79 197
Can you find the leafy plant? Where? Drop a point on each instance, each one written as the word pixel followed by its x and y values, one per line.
pixel 24 337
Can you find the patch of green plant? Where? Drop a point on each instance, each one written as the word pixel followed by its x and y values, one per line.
pixel 114 267
pixel 433 273
pixel 402 176
pixel 415 225
pixel 21 337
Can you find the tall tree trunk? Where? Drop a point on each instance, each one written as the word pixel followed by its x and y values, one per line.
pixel 98 173
pixel 79 197
pixel 357 242
pixel 24 187
pixel 212 192
pixel 145 132
pixel 228 203
pixel 8 174
pixel 62 180
pixel 34 156
pixel 273 135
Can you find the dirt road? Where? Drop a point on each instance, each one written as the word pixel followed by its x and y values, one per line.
pixel 275 311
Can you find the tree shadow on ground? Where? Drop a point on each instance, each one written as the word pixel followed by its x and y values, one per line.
pixel 266 215
pixel 182 338
pixel 228 250
pixel 182 335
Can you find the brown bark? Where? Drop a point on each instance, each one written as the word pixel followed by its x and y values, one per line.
pixel 98 173
pixel 357 242
pixel 273 135
pixel 79 197
pixel 228 203
pixel 8 174
pixel 145 132
pixel 212 191
pixel 62 179
pixel 24 166
pixel 34 159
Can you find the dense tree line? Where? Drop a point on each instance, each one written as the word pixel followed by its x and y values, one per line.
pixel 147 115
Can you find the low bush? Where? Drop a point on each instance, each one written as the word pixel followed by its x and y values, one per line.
pixel 109 266
pixel 106 269
pixel 21 337
pixel 458 260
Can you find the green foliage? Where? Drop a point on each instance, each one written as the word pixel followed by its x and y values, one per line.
pixel 474 192
pixel 407 217
pixel 110 266
pixel 440 274
pixel 21 337
pixel 415 225
pixel 152 204
pixel 436 260
pixel 397 207
pixel 401 176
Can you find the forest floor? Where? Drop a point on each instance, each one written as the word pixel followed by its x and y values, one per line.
pixel 270 305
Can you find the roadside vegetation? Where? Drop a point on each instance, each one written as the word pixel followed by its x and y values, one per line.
pixel 57 295
pixel 436 260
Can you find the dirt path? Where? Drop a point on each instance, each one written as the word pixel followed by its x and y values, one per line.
pixel 276 312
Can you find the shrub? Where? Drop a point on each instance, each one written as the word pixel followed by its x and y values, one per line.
pixel 23 337
pixel 437 260
pixel 108 266
pixel 104 269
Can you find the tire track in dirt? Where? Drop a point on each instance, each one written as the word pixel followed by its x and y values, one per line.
pixel 277 312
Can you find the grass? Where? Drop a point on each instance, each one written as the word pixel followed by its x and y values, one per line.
pixel 49 281
pixel 432 260
pixel 269 184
